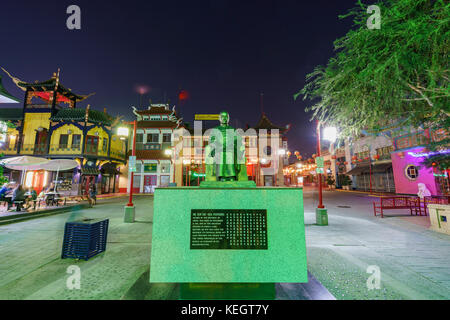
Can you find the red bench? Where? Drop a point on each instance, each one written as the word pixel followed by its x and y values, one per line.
pixel 397 202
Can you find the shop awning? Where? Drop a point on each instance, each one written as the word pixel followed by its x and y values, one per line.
pixel 382 167
pixel 90 171
pixel 360 169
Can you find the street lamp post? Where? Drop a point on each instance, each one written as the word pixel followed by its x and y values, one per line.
pixel 321 212
pixel 130 208
pixel 320 206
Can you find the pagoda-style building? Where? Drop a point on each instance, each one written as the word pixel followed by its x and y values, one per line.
pixel 154 142
pixel 51 125
pixel 265 129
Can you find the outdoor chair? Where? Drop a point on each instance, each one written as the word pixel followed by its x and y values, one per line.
pixel 19 204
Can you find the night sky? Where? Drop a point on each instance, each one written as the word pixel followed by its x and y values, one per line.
pixel 224 53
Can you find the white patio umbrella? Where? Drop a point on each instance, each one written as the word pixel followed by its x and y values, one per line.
pixel 23 163
pixel 59 165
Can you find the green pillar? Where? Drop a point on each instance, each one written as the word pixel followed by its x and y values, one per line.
pixel 321 217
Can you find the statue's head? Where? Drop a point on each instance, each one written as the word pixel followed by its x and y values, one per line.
pixel 224 118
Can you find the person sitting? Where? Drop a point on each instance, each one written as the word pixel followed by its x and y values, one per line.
pixel 18 195
pixel 49 197
pixel 32 196
pixel 6 188
pixel 3 191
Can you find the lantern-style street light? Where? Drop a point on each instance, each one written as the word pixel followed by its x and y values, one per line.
pixel 130 208
pixel 330 134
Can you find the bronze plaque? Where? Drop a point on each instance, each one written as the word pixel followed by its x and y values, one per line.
pixel 229 229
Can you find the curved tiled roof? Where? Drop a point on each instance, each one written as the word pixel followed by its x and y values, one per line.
pixel 265 123
pixel 12 114
pixel 154 110
pixel 7 96
pixel 150 154
pixel 78 114
pixel 156 124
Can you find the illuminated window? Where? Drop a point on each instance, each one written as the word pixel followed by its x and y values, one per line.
pixel 411 172
pixel 29 179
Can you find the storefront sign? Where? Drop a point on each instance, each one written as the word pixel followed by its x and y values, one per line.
pixel 206 117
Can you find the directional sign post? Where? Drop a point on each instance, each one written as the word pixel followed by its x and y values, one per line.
pixel 132 163
pixel 319 162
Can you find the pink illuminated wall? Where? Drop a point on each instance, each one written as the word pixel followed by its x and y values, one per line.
pixel 405 185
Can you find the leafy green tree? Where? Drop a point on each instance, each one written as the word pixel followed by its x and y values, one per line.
pixel 397 75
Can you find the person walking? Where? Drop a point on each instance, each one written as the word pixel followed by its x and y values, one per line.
pixel 93 193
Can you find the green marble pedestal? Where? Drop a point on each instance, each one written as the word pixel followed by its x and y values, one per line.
pixel 224 272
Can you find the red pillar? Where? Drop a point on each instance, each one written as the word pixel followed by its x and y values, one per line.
pixel 133 153
pixel 320 206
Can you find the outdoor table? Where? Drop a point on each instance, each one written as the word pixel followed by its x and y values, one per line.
pixel 51 197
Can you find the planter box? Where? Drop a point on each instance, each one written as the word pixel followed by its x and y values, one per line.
pixel 439 215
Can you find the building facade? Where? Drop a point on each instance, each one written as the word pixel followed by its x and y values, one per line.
pixel 50 125
pixel 154 147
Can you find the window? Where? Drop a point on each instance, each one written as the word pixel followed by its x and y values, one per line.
pixel 137 181
pixel 155 118
pixel 150 167
pixel 105 144
pixel 153 137
pixel 139 137
pixel 411 172
pixel 165 118
pixel 63 140
pixel 167 137
pixel 165 167
pixel 76 141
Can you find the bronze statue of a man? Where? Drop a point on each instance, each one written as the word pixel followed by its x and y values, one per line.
pixel 225 153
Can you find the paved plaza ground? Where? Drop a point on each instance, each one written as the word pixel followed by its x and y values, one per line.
pixel 412 259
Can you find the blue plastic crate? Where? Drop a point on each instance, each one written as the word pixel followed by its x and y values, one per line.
pixel 85 238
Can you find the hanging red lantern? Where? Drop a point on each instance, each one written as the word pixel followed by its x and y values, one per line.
pixel 354 157
pixel 360 160
pixel 333 157
pixel 338 163
pixel 376 157
pixel 346 163
pixel 366 158
pixel 297 153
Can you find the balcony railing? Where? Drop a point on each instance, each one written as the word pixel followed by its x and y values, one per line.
pixel 54 149
pixel 8 149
